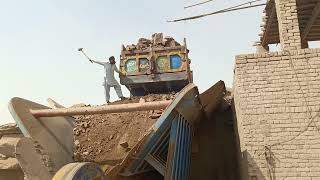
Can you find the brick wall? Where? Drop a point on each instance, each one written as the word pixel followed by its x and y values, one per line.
pixel 277 100
pixel 288 25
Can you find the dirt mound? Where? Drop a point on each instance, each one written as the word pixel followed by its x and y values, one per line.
pixel 107 138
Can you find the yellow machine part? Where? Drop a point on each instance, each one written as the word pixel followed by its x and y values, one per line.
pixel 79 171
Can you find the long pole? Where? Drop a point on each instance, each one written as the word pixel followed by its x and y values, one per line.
pixel 145 106
pixel 81 50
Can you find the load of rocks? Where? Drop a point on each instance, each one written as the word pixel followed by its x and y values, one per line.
pixel 157 41
pixel 107 138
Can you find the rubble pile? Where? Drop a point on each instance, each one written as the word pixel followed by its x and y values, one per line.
pixel 157 41
pixel 107 138
pixel 9 166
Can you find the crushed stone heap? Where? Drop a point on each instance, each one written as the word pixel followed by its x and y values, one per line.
pixel 157 41
pixel 107 138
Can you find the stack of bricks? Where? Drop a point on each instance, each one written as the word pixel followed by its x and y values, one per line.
pixel 289 31
pixel 277 101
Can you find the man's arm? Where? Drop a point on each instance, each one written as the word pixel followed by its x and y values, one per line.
pixel 97 62
pixel 116 69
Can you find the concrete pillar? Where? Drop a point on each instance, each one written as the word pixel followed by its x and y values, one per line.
pixel 289 30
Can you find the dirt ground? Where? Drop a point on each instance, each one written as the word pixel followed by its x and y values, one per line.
pixel 107 138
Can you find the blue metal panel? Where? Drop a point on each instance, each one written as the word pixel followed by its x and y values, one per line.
pixel 153 141
pixel 178 165
pixel 137 91
pixel 168 147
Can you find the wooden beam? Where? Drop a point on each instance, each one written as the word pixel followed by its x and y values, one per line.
pixel 314 16
pixel 269 23
pixel 118 108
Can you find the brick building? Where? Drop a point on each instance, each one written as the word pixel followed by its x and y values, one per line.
pixel 277 96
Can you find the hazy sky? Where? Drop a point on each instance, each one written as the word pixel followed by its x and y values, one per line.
pixel 39 41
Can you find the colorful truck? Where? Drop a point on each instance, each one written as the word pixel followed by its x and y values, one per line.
pixel 157 66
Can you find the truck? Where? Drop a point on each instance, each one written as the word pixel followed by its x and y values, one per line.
pixel 155 66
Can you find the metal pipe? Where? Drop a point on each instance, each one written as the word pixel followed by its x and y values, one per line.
pixel 145 106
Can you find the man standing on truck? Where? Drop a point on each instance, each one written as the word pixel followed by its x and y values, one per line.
pixel 109 79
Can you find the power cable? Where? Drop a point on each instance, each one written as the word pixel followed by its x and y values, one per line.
pixel 229 9
pixel 197 4
pixel 311 121
pixel 290 157
pixel 268 153
pixel 270 156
